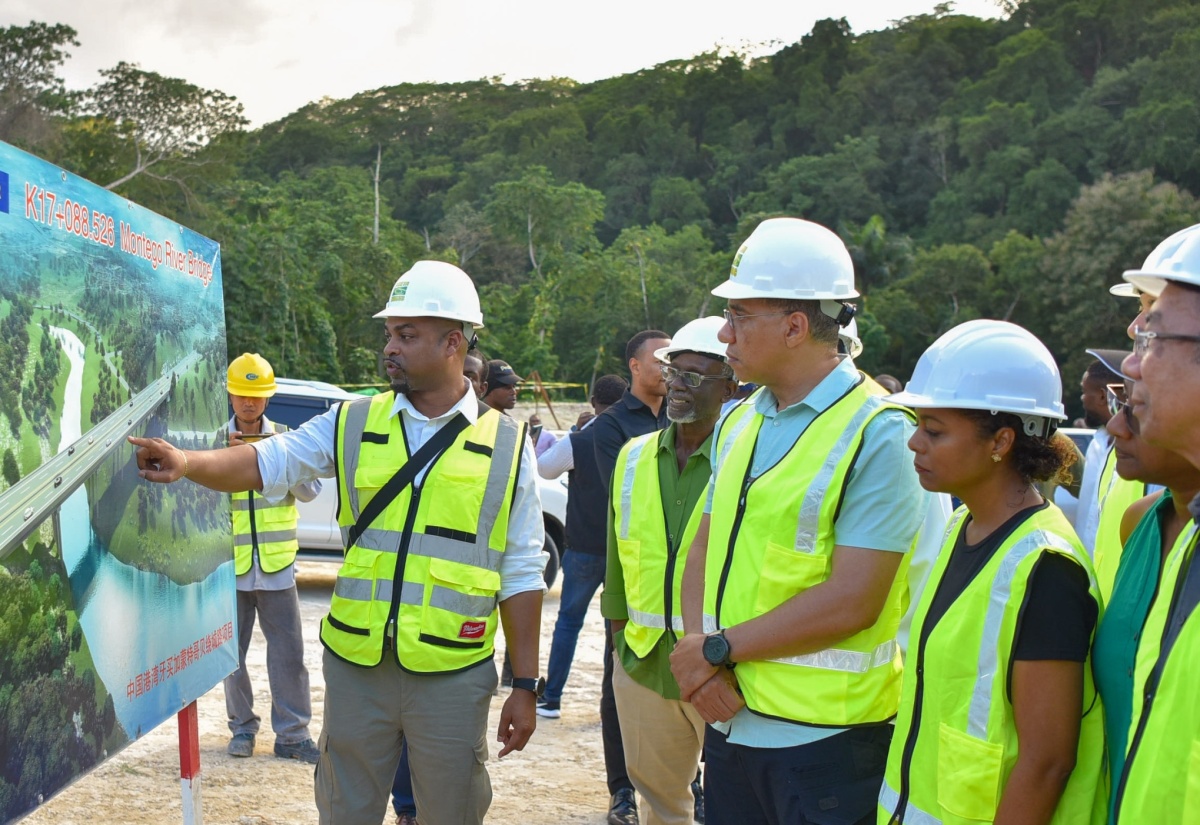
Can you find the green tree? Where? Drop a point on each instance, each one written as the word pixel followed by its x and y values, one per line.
pixel 32 93
pixel 164 120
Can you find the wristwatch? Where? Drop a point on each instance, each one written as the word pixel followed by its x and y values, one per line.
pixel 716 650
pixel 535 686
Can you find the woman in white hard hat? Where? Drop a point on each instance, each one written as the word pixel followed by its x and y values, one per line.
pixel 999 719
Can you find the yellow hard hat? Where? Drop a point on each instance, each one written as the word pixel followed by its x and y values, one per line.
pixel 250 375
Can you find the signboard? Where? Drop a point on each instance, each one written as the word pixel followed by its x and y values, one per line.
pixel 116 596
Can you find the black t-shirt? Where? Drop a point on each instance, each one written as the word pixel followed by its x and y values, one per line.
pixel 1059 613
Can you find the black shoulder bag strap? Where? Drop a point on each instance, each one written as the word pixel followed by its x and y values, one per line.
pixel 423 457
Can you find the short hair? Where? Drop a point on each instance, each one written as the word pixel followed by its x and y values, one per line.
pixel 635 343
pixel 1100 371
pixel 821 327
pixel 609 389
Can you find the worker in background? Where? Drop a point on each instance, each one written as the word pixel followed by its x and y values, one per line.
pixel 639 411
pixel 999 719
pixel 475 369
pixel 502 381
pixel 795 585
pixel 1161 769
pixel 439 511
pixel 660 479
pixel 264 558
pixel 582 561
pixel 1154 528
pixel 1101 373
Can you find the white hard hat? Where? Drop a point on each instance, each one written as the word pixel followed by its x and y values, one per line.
pixel 1175 259
pixel 699 336
pixel 434 289
pixel 850 340
pixel 1124 291
pixel 988 365
pixel 792 259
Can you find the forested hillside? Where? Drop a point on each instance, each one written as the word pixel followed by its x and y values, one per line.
pixel 1006 168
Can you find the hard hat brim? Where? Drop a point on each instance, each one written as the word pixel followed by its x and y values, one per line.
pixel 256 392
pixel 732 289
pixel 1152 283
pixel 1125 290
pixel 664 353
pixel 917 401
pixel 393 313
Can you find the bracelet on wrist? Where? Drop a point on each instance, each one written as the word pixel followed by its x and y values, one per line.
pixel 185 464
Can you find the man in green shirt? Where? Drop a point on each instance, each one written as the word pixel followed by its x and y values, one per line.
pixel 658 481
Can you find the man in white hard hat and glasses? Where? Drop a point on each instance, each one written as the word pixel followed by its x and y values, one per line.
pixel 1162 762
pixel 794 586
pixel 443 532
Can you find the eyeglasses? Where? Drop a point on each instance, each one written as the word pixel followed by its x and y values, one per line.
pixel 1143 337
pixel 732 319
pixel 1115 395
pixel 692 379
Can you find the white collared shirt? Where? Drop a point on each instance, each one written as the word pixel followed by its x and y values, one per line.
pixel 307 452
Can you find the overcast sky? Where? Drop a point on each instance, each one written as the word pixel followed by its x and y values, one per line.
pixel 276 56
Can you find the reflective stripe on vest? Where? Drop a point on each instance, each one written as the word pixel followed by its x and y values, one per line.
pixel 274 527
pixel 450 529
pixel 755 563
pixel 649 563
pixel 955 742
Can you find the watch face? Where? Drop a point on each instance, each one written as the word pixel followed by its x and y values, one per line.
pixel 716 649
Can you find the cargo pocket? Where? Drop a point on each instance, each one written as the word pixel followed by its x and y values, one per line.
pixel 460 605
pixel 785 572
pixel 968 777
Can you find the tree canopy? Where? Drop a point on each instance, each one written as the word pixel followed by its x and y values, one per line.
pixel 1006 168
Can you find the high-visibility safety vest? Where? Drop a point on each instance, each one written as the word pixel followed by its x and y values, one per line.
pixel 1115 496
pixel 424 576
pixel 652 563
pixel 270 527
pixel 772 537
pixel 956 743
pixel 1161 779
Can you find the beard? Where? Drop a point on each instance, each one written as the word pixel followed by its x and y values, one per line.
pixel 1094 419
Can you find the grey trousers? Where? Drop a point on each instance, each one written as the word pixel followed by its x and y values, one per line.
pixel 443 717
pixel 291 702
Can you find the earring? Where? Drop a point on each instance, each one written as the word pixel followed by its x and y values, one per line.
pixel 996 457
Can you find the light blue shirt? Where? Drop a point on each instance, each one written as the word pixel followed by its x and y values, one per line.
pixel 307 452
pixel 882 509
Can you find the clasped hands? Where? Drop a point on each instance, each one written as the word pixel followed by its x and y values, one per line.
pixel 712 690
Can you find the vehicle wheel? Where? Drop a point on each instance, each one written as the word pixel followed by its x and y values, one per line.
pixel 553 562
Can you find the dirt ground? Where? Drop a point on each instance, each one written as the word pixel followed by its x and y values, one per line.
pixel 558 778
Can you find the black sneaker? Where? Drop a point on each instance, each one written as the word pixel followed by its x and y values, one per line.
pixel 548 710
pixel 623 808
pixel 305 751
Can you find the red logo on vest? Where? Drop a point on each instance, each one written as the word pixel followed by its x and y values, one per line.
pixel 472 630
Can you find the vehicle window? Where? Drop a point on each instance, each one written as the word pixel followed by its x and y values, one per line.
pixel 295 410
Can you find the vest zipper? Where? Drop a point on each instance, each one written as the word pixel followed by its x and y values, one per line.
pixel 253 529
pixel 669 591
pixel 389 632
pixel 747 480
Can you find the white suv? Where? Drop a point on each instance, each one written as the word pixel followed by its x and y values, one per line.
pixel 297 401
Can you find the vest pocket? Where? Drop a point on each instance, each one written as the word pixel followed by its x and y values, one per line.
pixel 785 572
pixel 459 606
pixel 968 776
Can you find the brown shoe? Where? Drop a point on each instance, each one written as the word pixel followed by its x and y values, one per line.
pixel 406 819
